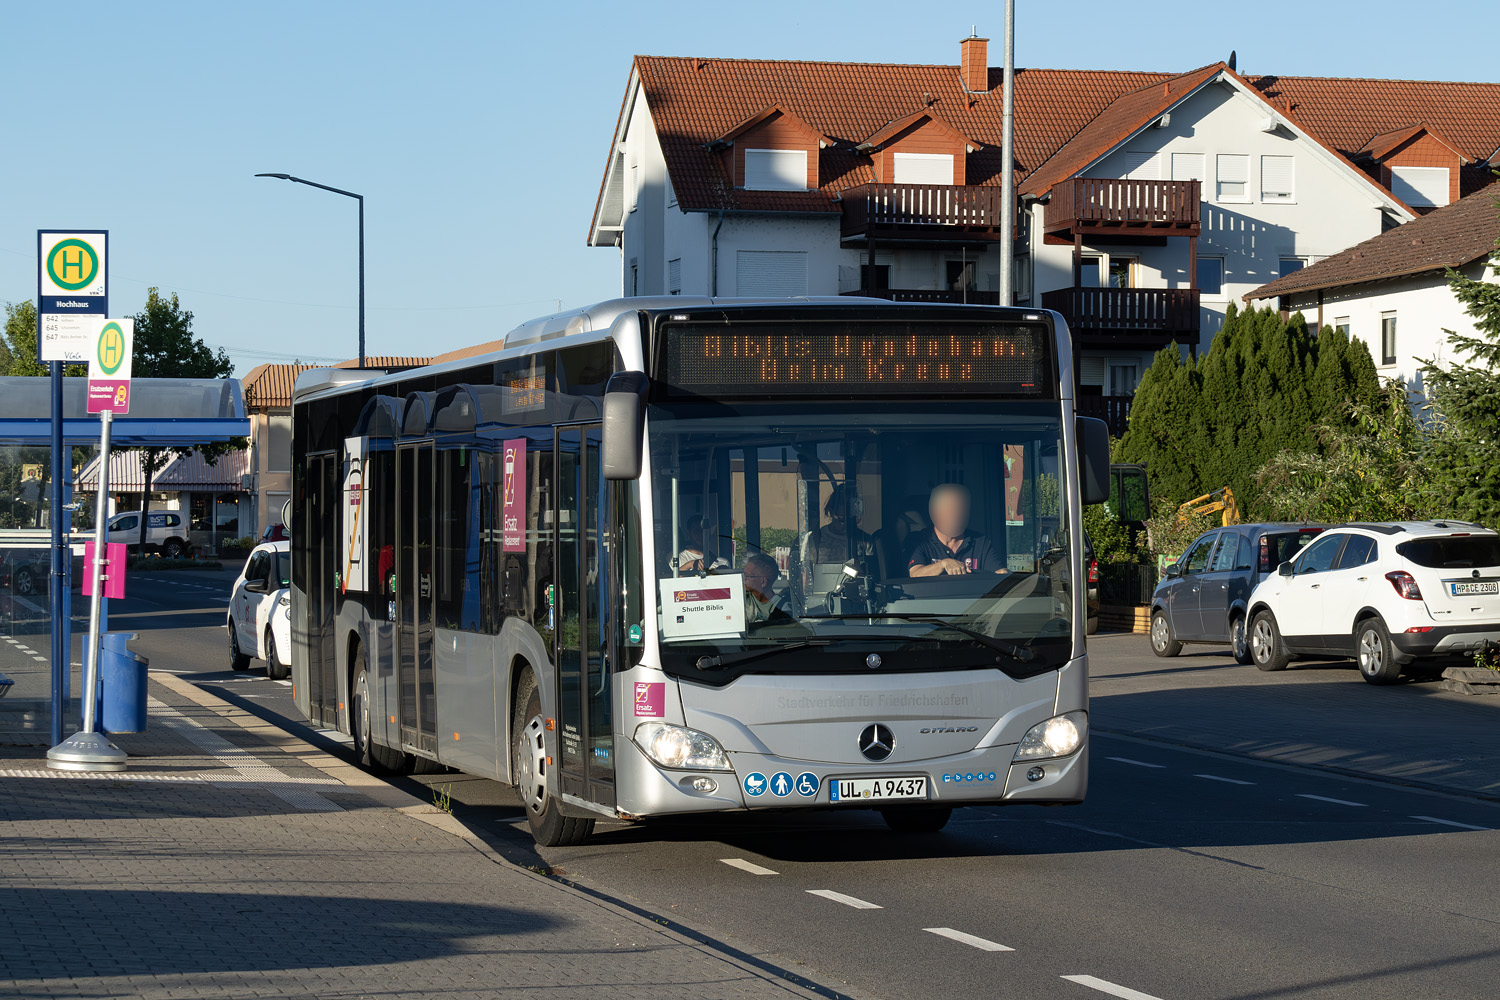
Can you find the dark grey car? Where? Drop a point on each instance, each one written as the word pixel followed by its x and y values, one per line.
pixel 1203 596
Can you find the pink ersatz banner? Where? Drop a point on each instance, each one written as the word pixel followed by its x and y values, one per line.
pixel 513 495
pixel 114 572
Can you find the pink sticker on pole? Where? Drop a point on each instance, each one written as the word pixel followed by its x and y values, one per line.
pixel 650 699
pixel 513 495
pixel 114 572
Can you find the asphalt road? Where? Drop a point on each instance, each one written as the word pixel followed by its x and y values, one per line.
pixel 1189 874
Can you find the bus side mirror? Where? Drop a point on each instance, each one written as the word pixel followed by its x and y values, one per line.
pixel 624 425
pixel 1092 440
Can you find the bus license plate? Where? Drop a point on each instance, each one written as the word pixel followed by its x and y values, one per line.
pixel 1470 589
pixel 876 789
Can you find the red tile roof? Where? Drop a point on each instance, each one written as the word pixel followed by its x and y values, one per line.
pixel 1451 236
pixel 269 387
pixel 1382 144
pixel 774 109
pixel 894 128
pixel 693 101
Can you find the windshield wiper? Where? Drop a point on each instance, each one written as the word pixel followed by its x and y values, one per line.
pixel 1019 653
pixel 721 661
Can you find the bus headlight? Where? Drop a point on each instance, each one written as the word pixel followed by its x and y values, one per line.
pixel 1059 736
pixel 681 748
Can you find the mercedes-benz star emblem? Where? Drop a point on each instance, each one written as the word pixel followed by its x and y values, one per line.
pixel 873 661
pixel 877 742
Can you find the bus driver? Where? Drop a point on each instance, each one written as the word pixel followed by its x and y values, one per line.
pixel 949 548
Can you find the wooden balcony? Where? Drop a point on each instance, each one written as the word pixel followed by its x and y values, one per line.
pixel 1130 318
pixel 940 295
pixel 926 212
pixel 1113 410
pixel 1092 207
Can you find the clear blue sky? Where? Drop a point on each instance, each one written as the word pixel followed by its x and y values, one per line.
pixel 478 132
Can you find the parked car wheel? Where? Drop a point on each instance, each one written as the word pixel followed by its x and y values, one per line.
pixel 1372 648
pixel 172 548
pixel 24 581
pixel 275 669
pixel 238 659
pixel 1163 642
pixel 1266 648
pixel 1239 639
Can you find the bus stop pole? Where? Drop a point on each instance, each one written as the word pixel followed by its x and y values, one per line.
pixel 88 750
pixel 61 658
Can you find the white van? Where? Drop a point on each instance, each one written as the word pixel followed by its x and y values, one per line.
pixel 165 530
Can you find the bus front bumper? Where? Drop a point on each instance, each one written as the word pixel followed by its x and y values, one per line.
pixel 985 776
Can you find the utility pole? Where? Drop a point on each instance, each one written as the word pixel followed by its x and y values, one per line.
pixel 1007 160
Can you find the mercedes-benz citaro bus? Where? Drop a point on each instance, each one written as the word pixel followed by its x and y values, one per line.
pixel 668 556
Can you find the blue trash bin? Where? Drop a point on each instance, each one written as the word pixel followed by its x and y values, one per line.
pixel 122 685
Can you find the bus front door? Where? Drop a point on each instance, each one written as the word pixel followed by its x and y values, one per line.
pixel 415 596
pixel 583 678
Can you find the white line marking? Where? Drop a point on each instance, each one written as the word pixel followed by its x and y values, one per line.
pixel 42 658
pixel 748 866
pixel 1137 763
pixel 1449 822
pixel 1113 989
pixel 839 897
pixel 968 939
pixel 1227 781
pixel 285 683
pixel 1324 798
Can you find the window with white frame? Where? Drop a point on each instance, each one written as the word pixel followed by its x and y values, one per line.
pixel 1124 376
pixel 635 186
pixel 1021 278
pixel 671 193
pixel 1341 324
pixel 1089 275
pixel 1233 171
pixel 1387 338
pixel 674 276
pixel 1420 187
pixel 1277 179
pixel 1211 276
pixel 770 274
pixel 1188 167
pixel 922 168
pixel 776 169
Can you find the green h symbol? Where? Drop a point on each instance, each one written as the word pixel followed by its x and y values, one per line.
pixel 72 264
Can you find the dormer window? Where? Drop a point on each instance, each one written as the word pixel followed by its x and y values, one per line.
pixel 923 168
pixel 776 169
pixel 1420 187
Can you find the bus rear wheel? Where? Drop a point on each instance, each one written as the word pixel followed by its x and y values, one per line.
pixel 549 827
pixel 918 819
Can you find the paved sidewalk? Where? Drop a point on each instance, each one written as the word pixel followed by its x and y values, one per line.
pixel 232 860
pixel 1315 712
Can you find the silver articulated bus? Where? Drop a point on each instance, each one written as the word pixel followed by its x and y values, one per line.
pixel 667 556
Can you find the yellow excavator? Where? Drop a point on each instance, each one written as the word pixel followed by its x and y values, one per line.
pixel 1219 501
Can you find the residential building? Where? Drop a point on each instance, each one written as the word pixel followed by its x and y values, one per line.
pixel 1148 201
pixel 268 404
pixel 213 498
pixel 1392 291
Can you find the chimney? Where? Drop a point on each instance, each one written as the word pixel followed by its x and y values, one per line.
pixel 973 63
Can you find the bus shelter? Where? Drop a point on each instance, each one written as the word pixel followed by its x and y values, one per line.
pixel 165 413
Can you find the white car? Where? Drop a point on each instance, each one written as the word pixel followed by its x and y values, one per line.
pixel 1386 595
pixel 165 530
pixel 260 611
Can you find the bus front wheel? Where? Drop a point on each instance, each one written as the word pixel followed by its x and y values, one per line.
pixel 549 827
pixel 372 755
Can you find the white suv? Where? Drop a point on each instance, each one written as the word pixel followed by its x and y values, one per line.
pixel 1385 594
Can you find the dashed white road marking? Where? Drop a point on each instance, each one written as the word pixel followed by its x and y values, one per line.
pixel 1324 798
pixel 1113 989
pixel 839 897
pixel 748 866
pixel 284 683
pixel 1450 822
pixel 1227 781
pixel 1137 763
pixel 968 939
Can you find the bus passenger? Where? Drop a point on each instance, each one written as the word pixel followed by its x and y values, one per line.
pixel 949 548
pixel 761 602
pixel 841 538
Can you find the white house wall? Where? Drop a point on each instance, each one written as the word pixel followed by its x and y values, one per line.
pixel 645 202
pixel 1424 308
pixel 1332 207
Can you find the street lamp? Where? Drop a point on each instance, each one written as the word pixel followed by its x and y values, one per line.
pixel 361 199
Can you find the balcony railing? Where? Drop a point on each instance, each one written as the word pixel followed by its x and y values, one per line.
pixel 1146 317
pixel 1095 203
pixel 923 211
pixel 1113 410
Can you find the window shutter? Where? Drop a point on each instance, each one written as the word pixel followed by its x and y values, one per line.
pixel 1188 167
pixel 1141 166
pixel 674 276
pixel 1091 370
pixel 1420 187
pixel 771 274
pixel 923 168
pixel 776 169
pixel 1276 178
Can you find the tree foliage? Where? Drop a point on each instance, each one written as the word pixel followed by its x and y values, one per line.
pixel 1264 386
pixel 18 350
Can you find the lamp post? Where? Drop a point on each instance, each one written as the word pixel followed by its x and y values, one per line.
pixel 361 199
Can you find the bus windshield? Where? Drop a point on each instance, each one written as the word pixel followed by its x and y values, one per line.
pixel 909 535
